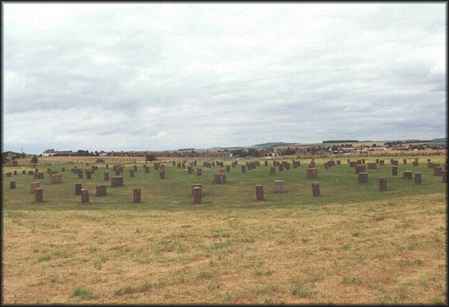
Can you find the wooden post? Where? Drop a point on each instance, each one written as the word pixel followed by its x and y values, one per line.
pixel 116 181
pixel 78 188
pixel 315 189
pixel 39 195
pixel 363 177
pixel 259 193
pixel 100 190
pixel 196 195
pixel 372 165
pixel 56 178
pixel 12 185
pixel 394 171
pixel 360 168
pixel 418 178
pixel 279 186
pixel 137 195
pixel 35 185
pixel 84 196
pixel 382 184
pixel 437 171
pixel 407 175
pixel 312 172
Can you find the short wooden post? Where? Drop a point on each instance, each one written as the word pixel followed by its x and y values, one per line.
pixel 418 178
pixel 137 195
pixel 437 171
pixel 363 177
pixel 196 195
pixel 315 189
pixel 100 190
pixel 84 196
pixel 116 181
pixel 360 168
pixel 78 188
pixel 279 186
pixel 407 175
pixel 394 171
pixel 312 172
pixel 372 165
pixel 382 184
pixel 259 193
pixel 39 195
pixel 35 185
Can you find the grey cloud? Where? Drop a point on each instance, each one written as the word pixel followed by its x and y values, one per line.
pixel 159 76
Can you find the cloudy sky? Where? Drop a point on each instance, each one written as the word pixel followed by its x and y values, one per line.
pixel 116 76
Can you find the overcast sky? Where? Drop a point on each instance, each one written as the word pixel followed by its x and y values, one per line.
pixel 116 76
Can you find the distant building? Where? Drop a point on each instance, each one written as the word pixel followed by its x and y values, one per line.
pixel 48 153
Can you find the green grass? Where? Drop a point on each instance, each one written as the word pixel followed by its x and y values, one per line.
pixel 351 280
pixel 83 294
pixel 338 184
pixel 301 290
pixel 44 258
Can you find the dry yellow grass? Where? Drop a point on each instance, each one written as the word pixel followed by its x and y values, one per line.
pixel 391 251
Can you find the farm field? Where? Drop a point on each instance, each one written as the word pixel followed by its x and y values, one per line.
pixel 353 244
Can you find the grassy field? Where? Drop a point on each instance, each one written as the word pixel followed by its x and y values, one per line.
pixel 353 244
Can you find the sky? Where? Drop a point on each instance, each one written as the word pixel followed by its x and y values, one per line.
pixel 158 76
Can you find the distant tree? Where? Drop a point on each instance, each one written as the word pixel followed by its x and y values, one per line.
pixel 150 157
pixel 34 159
pixel 252 152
